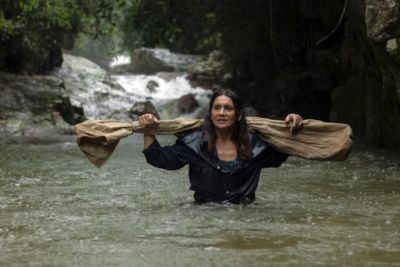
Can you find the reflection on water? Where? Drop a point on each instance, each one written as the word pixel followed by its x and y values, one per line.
pixel 58 210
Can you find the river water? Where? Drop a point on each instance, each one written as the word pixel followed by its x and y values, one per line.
pixel 56 209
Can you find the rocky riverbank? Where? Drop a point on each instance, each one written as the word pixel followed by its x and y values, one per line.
pixel 45 107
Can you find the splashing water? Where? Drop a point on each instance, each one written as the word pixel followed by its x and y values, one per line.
pixel 91 88
pixel 165 94
pixel 58 210
pixel 120 60
pixel 162 88
pixel 166 89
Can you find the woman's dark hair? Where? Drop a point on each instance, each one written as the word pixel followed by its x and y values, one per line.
pixel 240 133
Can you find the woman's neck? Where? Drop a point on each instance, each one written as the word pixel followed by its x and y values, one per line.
pixel 224 135
pixel 225 146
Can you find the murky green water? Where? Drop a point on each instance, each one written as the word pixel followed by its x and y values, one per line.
pixel 58 210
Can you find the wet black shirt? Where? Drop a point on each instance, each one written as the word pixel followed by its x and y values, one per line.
pixel 208 180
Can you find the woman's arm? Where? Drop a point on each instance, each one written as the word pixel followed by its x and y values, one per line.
pixel 165 157
pixel 149 121
pixel 148 139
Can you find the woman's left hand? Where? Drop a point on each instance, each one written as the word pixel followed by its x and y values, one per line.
pixel 296 121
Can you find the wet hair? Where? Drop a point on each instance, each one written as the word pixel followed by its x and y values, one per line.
pixel 240 133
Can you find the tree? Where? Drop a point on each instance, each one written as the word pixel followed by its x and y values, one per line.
pixel 183 26
pixel 32 32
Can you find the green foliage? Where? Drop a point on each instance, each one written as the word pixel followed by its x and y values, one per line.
pixel 198 26
pixel 94 17
pixel 184 26
pixel 36 29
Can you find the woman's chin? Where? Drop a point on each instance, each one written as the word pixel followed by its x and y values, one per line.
pixel 223 126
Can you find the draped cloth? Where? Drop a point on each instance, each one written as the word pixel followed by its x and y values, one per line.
pixel 315 139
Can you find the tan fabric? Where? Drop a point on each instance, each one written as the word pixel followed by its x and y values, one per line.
pixel 98 138
pixel 314 140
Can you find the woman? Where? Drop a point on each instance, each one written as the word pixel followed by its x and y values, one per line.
pixel 225 159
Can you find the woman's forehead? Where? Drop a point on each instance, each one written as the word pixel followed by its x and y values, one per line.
pixel 223 100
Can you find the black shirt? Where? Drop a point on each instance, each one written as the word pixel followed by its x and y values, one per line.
pixel 208 180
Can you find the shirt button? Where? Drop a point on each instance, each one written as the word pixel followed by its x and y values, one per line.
pixel 218 167
pixel 227 192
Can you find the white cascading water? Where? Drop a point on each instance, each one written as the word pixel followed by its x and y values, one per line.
pixel 169 87
pixel 90 87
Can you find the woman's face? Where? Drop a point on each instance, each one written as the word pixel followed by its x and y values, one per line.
pixel 223 113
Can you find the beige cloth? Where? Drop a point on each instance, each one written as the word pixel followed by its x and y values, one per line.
pixel 314 140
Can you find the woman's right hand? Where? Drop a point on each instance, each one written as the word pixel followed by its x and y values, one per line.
pixel 148 120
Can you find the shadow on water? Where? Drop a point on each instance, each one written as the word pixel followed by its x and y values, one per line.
pixel 58 210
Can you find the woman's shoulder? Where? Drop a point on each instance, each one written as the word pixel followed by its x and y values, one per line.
pixel 255 140
pixel 192 140
pixel 190 137
pixel 258 146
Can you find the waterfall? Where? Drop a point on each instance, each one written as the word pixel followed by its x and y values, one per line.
pixel 162 89
pixel 110 96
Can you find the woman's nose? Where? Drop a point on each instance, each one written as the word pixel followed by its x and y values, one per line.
pixel 222 111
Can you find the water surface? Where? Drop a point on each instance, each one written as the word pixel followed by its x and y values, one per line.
pixel 56 209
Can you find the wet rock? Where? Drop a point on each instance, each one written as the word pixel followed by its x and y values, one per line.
pixel 208 73
pixel 142 107
pixel 91 89
pixel 377 103
pixel 382 19
pixel 144 61
pixel 35 106
pixel 82 66
pixel 150 61
pixel 186 104
pixel 151 86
